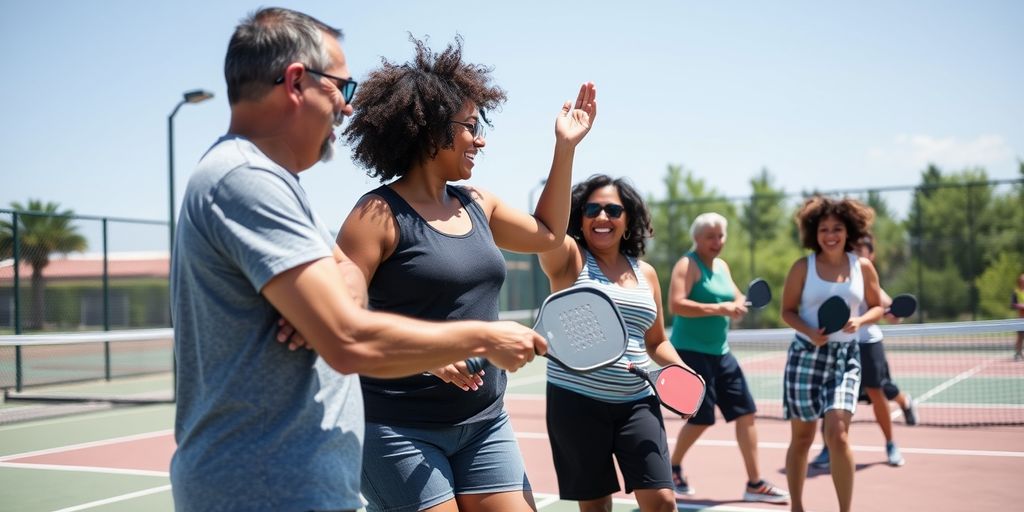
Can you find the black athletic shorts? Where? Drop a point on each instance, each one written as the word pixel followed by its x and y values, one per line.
pixel 875 371
pixel 585 433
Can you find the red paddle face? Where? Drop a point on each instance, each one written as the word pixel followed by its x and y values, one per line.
pixel 679 390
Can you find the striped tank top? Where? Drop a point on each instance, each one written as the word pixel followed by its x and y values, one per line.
pixel 615 384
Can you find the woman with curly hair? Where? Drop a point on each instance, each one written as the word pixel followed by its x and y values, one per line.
pixel 610 412
pixel 823 372
pixel 429 249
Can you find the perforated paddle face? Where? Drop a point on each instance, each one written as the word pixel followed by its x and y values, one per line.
pixel 759 294
pixel 583 327
pixel 679 390
pixel 903 305
pixel 833 314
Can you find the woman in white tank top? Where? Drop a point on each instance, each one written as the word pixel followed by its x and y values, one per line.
pixel 822 378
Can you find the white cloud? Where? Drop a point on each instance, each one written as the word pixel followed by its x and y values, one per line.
pixel 949 153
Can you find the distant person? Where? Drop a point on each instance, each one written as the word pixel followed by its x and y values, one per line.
pixel 704 299
pixel 259 428
pixel 430 249
pixel 823 372
pixel 1017 302
pixel 876 383
pixel 610 415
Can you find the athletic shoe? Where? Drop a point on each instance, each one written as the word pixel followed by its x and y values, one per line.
pixel 765 492
pixel 680 486
pixel 822 460
pixel 910 413
pixel 893 453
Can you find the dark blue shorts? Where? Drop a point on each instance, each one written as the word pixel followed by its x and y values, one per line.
pixel 726 386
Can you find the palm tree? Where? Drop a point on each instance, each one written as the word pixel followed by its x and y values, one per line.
pixel 42 230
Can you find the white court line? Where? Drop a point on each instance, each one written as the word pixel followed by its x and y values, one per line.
pixel 544 500
pixel 115 499
pixel 73 418
pixel 856 448
pixel 90 444
pixel 955 380
pixel 84 469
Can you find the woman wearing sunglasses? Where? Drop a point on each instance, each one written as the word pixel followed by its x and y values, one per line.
pixel 429 249
pixel 610 412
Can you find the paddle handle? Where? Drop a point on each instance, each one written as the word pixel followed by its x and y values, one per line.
pixel 640 372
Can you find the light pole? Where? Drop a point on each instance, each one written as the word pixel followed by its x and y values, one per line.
pixel 195 96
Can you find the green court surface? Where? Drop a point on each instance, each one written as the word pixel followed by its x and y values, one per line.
pixel 67 488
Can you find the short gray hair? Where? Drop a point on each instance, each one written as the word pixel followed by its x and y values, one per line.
pixel 707 220
pixel 265 43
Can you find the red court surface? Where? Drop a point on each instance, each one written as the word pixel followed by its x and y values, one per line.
pixel 947 469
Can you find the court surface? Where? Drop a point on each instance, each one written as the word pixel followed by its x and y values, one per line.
pixel 117 460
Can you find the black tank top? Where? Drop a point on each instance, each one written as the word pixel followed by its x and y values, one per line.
pixel 435 276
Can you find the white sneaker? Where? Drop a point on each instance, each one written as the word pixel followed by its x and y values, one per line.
pixel 766 492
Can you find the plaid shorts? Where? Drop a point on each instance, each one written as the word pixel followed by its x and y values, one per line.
pixel 820 379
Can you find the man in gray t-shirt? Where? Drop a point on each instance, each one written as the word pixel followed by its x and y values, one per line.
pixel 260 427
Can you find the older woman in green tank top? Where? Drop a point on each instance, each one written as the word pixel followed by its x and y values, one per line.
pixel 705 299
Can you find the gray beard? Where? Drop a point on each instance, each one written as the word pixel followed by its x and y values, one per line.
pixel 326 151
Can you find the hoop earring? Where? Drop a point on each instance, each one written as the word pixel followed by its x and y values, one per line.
pixel 627 235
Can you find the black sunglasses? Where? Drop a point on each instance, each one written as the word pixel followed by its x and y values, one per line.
pixel 347 86
pixel 592 210
pixel 477 128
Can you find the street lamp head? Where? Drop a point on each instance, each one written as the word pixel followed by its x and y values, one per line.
pixel 197 96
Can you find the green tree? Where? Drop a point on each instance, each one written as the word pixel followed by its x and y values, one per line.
pixel 766 223
pixel 892 251
pixel 996 285
pixel 686 196
pixel 43 230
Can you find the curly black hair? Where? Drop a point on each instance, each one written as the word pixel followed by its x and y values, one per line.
pixel 638 228
pixel 856 215
pixel 402 112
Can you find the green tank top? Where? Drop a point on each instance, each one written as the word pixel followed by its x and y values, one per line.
pixel 706 334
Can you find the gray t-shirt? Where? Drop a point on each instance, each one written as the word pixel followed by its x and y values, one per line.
pixel 258 427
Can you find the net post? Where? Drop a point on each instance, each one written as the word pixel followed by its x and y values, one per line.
pixel 18 375
pixel 106 302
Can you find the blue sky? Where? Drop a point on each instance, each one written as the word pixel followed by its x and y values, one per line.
pixel 824 94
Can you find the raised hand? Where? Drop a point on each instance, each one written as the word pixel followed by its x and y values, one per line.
pixel 574 121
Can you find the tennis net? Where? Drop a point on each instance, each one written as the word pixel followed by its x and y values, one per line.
pixel 961 373
pixel 88 367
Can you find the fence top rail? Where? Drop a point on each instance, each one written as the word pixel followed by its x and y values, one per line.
pixel 66 338
pixel 7 211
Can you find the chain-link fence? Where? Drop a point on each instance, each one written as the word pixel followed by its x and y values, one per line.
pixel 81 273
pixel 958 247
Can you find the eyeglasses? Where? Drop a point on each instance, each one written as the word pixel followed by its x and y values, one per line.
pixel 477 128
pixel 347 86
pixel 592 210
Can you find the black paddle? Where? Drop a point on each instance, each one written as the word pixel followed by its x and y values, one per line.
pixel 833 314
pixel 759 294
pixel 903 305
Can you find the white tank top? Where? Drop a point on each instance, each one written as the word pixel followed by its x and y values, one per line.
pixel 816 291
